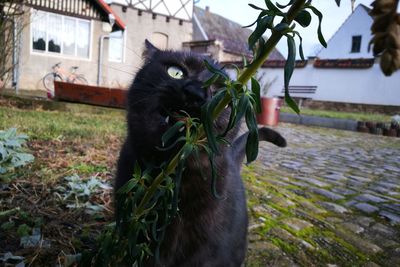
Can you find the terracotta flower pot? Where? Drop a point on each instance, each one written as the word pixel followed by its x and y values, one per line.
pixel 270 108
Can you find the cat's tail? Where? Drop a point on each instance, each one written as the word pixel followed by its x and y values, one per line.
pixel 264 134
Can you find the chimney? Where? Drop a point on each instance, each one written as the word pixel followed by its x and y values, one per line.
pixel 207 9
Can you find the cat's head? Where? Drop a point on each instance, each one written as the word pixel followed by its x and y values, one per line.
pixel 177 78
pixel 168 82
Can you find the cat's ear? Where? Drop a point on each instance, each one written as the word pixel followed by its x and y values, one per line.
pixel 149 49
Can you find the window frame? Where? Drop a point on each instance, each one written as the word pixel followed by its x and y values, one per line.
pixel 353 42
pixel 61 55
pixel 124 37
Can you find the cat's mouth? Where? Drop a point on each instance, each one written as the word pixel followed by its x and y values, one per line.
pixel 169 117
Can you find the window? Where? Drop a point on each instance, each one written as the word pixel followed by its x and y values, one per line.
pixel 116 46
pixel 57 34
pixel 356 44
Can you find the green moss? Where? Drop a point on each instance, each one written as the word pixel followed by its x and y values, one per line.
pixel 285 246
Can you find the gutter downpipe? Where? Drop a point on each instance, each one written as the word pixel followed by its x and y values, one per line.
pixel 15 75
pixel 100 63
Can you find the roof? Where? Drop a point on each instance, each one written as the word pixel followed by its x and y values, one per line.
pixel 366 8
pixel 118 21
pixel 232 34
pixel 338 47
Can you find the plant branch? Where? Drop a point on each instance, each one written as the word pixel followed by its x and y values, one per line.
pixel 243 78
pixel 268 48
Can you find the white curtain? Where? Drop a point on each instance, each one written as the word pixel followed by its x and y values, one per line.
pixel 60 34
pixel 54 30
pixel 39 22
pixel 83 40
pixel 69 36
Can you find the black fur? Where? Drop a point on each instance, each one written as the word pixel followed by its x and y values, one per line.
pixel 207 232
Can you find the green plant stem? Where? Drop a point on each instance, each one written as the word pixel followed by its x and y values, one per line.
pixel 156 183
pixel 243 78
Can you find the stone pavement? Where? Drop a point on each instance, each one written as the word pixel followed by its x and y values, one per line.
pixel 331 198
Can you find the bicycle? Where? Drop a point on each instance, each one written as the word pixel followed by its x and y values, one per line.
pixel 59 74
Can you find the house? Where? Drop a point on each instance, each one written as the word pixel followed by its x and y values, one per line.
pixel 343 75
pixel 222 39
pixel 78 33
pixel 167 24
pixel 61 31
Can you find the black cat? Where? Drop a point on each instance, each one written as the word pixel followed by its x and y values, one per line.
pixel 207 231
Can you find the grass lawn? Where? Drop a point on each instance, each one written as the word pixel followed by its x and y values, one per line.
pixel 82 140
pixel 358 116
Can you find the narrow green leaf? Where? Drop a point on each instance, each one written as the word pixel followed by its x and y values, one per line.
pixel 174 144
pixel 208 128
pixel 241 107
pixel 171 132
pixel 207 119
pixel 282 27
pixel 258 50
pixel 303 18
pixel 231 122
pixel 232 92
pixel 319 15
pixel 211 80
pixel 252 138
pixel 288 71
pixel 272 7
pixel 175 194
pixel 128 186
pixel 291 103
pixel 255 88
pixel 233 66
pixel 214 177
pixel 290 62
pixel 215 70
pixel 262 14
pixel 186 151
pixel 300 45
pixel 255 7
pixel 284 6
pixel 262 26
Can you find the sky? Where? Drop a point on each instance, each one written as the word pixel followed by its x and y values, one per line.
pixel 240 12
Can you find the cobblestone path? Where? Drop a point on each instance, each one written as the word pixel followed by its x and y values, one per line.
pixel 331 198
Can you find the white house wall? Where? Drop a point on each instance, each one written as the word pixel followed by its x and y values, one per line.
pixel 339 46
pixel 361 86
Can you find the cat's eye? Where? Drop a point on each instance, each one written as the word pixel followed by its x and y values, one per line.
pixel 175 72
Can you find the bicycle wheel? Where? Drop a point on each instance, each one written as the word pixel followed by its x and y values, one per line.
pixel 48 82
pixel 79 79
